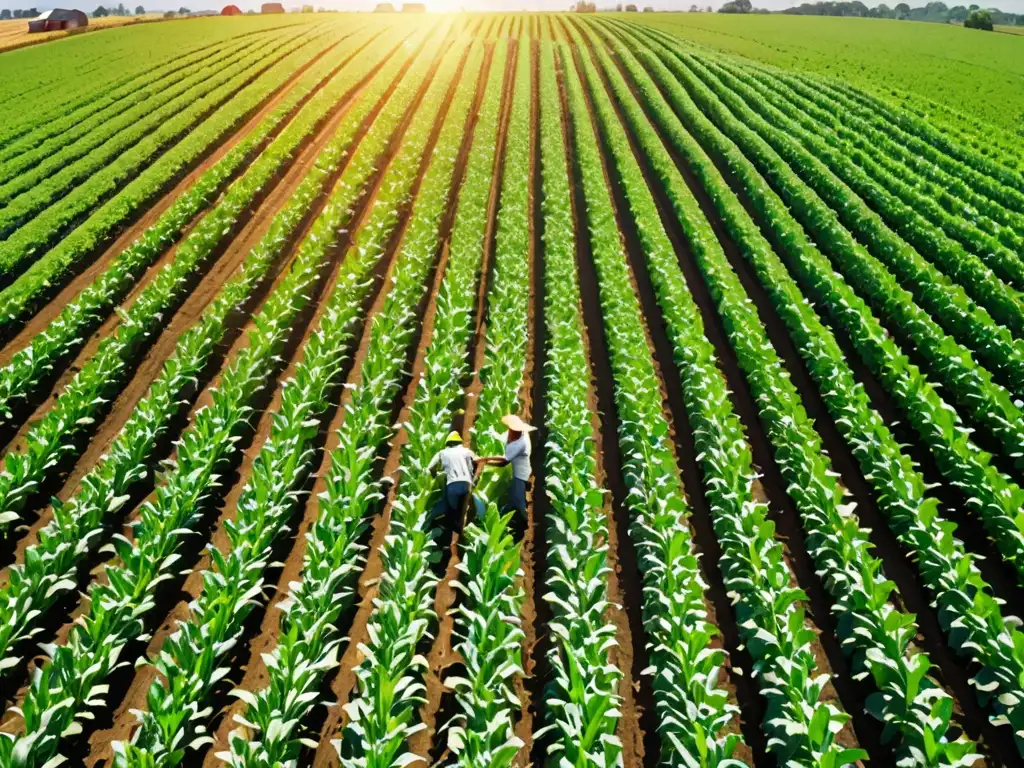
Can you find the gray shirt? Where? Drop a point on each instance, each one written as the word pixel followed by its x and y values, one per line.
pixel 517 453
pixel 457 462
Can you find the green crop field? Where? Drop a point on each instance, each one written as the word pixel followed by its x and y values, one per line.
pixel 977 74
pixel 764 313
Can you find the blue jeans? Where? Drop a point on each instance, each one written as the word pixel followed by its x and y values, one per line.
pixel 450 504
pixel 517 497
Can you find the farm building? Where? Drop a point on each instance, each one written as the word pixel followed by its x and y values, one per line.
pixel 58 18
pixel 231 10
pixel 414 8
pixel 384 8
pixel 272 8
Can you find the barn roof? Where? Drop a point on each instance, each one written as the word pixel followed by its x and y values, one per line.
pixel 60 13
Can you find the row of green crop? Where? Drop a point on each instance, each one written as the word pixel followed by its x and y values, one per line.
pixel 37 125
pixel 118 607
pixel 583 698
pixel 487 627
pixel 967 610
pixel 187 661
pixel 49 211
pixel 996 244
pixel 71 119
pixel 47 206
pixel 948 303
pixel 64 155
pixel 308 639
pixel 896 201
pixel 49 272
pixel 872 631
pixel 85 398
pixel 694 710
pixel 861 125
pixel 382 709
pixel 989 404
pixel 66 334
pixel 996 498
pixel 1003 185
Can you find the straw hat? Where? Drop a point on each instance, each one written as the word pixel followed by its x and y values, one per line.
pixel 516 424
pixel 453 437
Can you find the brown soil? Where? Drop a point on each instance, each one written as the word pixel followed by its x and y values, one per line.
pixel 152 364
pixel 124 721
pixel 93 266
pixel 38 322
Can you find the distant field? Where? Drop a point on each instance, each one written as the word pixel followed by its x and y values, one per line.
pixel 1011 30
pixel 966 70
pixel 14 33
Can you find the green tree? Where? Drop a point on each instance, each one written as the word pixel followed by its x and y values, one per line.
pixel 140 11
pixel 100 12
pixel 902 10
pixel 5 14
pixel 979 19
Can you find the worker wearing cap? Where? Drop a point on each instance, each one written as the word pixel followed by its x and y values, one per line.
pixel 517 453
pixel 459 464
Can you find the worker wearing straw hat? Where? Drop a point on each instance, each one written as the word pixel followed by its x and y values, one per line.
pixel 517 453
pixel 459 464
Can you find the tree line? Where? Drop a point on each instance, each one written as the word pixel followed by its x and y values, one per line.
pixel 939 12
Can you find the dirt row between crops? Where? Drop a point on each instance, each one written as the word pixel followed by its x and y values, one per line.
pixel 134 230
pixel 235 339
pixel 124 721
pixel 223 267
pixel 953 674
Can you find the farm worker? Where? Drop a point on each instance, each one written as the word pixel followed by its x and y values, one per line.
pixel 458 463
pixel 517 453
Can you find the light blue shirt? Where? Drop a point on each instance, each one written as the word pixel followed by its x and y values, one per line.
pixel 517 453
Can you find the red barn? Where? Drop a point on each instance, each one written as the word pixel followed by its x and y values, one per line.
pixel 272 8
pixel 231 10
pixel 58 18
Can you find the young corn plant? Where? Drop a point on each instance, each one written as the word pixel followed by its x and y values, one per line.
pixel 118 609
pixel 876 635
pixel 235 583
pixel 583 695
pixel 80 525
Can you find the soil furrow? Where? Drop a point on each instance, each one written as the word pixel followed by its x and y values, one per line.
pixel 124 721
pixel 223 267
pixel 862 728
pixel 40 320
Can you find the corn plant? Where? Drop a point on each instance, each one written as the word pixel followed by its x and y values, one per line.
pixel 234 584
pixel 487 629
pixel 583 696
pixel 913 516
pixel 118 609
pixel 67 333
pixel 694 710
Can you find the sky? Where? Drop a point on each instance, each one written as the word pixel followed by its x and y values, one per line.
pixel 1011 6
